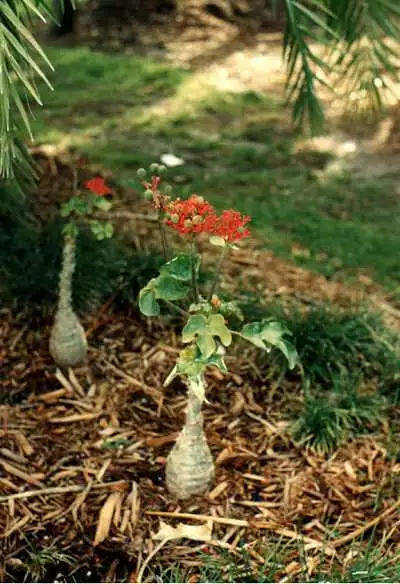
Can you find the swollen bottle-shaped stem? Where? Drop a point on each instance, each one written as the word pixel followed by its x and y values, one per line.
pixel 67 341
pixel 190 467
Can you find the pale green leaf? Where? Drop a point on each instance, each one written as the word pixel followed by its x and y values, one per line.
pixel 147 301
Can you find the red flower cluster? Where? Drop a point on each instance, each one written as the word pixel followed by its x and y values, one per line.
pixel 231 226
pixel 98 186
pixel 195 215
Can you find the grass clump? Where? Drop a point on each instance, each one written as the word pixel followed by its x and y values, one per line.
pixel 329 417
pixel 331 341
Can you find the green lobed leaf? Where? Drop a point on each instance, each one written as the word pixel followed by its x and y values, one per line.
pixel 168 288
pixel 218 328
pixel 206 344
pixel 195 325
pixel 269 333
pixel 180 267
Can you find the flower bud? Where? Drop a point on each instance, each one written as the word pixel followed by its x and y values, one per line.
pixel 162 169
pixel 174 218
pixel 215 301
pixel 148 194
pixel 141 173
pixel 187 223
pixel 197 219
pixel 154 168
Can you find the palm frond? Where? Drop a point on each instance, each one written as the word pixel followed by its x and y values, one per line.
pixel 19 56
pixel 305 22
pixel 369 59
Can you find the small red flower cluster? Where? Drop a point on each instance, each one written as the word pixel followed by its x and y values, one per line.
pixel 98 186
pixel 195 215
pixel 231 226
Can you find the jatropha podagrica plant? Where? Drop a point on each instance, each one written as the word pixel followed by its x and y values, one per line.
pixel 206 334
pixel 67 340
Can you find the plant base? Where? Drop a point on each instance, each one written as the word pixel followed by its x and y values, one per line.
pixel 67 341
pixel 190 467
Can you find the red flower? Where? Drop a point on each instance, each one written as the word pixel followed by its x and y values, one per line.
pixel 191 216
pixel 98 186
pixel 231 226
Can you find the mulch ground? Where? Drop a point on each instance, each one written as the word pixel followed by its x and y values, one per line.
pixel 84 451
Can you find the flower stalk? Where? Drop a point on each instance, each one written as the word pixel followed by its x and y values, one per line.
pixel 195 288
pixel 217 274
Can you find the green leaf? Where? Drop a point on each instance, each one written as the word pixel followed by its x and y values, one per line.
pixel 168 288
pixel 269 333
pixel 180 267
pixel 22 111
pixel 148 304
pixel 71 229
pixel 216 361
pixel 108 230
pixel 229 309
pixel 218 328
pixel 22 30
pixel 24 53
pixel 195 325
pixel 102 204
pixel 206 344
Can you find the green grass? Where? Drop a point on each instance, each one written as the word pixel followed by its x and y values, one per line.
pixel 330 417
pixel 370 563
pixel 124 112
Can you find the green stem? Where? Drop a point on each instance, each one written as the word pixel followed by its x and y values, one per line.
pixel 217 272
pixel 195 288
pixel 175 307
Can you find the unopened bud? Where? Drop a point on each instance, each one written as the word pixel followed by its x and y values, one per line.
pixel 215 300
pixel 197 219
pixel 174 218
pixel 162 169
pixel 154 168
pixel 187 223
pixel 141 173
pixel 148 194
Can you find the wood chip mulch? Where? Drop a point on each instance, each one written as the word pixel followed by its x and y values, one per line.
pixel 76 443
pixel 82 453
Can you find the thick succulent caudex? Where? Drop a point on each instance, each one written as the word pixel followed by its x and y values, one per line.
pixel 67 341
pixel 190 467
